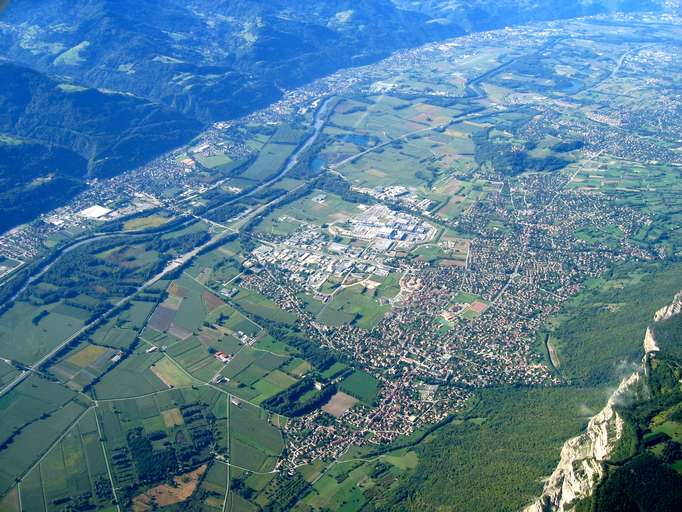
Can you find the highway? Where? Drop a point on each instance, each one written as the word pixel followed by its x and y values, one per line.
pixel 319 122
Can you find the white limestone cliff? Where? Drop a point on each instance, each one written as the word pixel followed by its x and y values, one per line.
pixel 582 463
pixel 674 308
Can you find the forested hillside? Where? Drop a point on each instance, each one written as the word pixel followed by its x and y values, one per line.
pixel 34 178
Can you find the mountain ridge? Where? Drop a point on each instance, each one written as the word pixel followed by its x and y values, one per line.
pixel 585 459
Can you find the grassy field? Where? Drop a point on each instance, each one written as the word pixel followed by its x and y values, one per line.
pixel 73 470
pixel 10 502
pixel 131 378
pixel 291 216
pixel 271 345
pixel 216 266
pixel 254 441
pixel 40 329
pixel 82 365
pixel 269 161
pixel 404 163
pixel 192 309
pixel 7 373
pixel 195 358
pixel 35 414
pixel 120 332
pixel 361 385
pixel 212 487
pixel 214 161
pixel 390 286
pixel 256 375
pixel 170 374
pixel 259 305
pixel 353 305
pixel 150 221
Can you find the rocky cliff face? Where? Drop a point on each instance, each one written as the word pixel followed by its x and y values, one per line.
pixel 582 463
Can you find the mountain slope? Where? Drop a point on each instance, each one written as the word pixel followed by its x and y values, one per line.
pixel 34 178
pixel 627 459
pixel 475 15
pixel 113 132
pixel 209 59
pixel 56 135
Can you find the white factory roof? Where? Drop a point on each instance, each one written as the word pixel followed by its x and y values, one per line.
pixel 94 212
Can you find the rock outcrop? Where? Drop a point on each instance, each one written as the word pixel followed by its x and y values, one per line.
pixel 583 458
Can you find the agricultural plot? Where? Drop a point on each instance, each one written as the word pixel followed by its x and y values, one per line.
pixel 35 414
pixel 168 372
pixel 219 333
pixel 235 323
pixel 40 329
pixel 288 184
pixel 192 356
pixel 256 375
pixel 10 501
pixel 255 443
pixel 7 373
pixel 73 473
pixel 409 164
pixel 147 222
pixel 216 338
pixel 213 161
pixel 185 309
pixel 270 160
pixel 213 487
pixel 269 344
pixel 334 370
pixel 308 210
pixel 380 115
pixel 297 367
pixel 151 438
pixel 260 306
pixel 356 305
pixel 361 385
pixel 120 332
pixel 132 377
pixel 80 367
pixel 214 268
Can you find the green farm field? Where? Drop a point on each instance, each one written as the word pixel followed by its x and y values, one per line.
pixel 361 385
pixel 353 305
pixel 254 441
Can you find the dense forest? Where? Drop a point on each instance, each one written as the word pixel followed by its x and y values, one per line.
pixel 35 178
